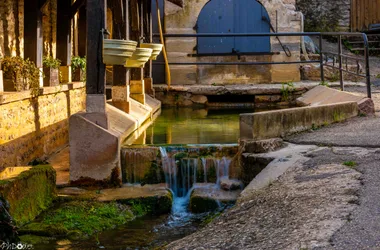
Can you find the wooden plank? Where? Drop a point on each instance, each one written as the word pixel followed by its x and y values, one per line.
pixel 64 32
pixel 95 74
pixel 33 32
pixel 76 6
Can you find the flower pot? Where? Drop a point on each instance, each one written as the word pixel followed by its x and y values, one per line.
pixel 116 52
pixel 51 77
pixel 78 75
pixel 156 47
pixel 139 58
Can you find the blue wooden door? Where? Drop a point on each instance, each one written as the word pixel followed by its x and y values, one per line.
pixel 216 17
pixel 233 16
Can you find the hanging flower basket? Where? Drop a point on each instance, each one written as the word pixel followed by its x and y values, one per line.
pixel 139 58
pixel 157 48
pixel 116 52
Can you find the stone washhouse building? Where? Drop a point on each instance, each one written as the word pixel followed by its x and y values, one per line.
pixel 220 16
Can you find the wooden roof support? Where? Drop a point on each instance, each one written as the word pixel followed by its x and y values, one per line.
pixel 177 2
pixel 120 31
pixel 95 78
pixel 76 6
pixel 33 32
pixel 64 32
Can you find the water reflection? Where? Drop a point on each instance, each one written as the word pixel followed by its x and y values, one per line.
pixel 193 126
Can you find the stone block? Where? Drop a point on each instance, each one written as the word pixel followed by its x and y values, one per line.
pixel 274 124
pixel 206 197
pixel 199 99
pixel 183 75
pixel 285 73
pixel 122 105
pixel 96 103
pixel 120 93
pixel 148 85
pixel 138 97
pixel 366 106
pixel 262 146
pixel 94 153
pixel 136 87
pixel 29 191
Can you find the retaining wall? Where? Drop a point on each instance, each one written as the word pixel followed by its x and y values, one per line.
pixel 32 128
pixel 272 124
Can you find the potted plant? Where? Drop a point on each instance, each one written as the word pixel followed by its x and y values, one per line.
pixel 20 75
pixel 51 74
pixel 78 67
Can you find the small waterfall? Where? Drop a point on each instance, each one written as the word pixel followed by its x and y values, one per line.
pixel 204 163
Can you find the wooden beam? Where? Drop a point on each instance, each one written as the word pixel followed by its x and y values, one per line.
pixel 82 32
pixel 119 10
pixel 76 6
pixel 42 4
pixel 95 74
pixel 64 32
pixel 33 48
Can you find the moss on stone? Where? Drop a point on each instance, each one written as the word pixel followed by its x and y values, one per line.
pixel 34 239
pixel 30 193
pixel 155 174
pixel 78 219
pixel 201 205
pixel 151 205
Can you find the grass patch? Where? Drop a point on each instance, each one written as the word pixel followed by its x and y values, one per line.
pixel 88 217
pixel 350 164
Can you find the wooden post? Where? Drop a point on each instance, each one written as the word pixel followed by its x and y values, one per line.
pixel 120 88
pixel 64 38
pixel 82 32
pixel 33 32
pixel 95 73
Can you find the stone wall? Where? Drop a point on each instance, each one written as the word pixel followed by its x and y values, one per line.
pixel 32 128
pixel 325 15
pixel 182 20
pixel 12 27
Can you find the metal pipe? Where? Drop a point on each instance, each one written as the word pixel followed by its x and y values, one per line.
pixel 366 55
pixel 234 63
pixel 321 58
pixel 340 62
pixel 261 34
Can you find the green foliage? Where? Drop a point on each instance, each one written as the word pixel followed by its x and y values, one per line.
pixel 210 217
pixel 23 73
pixel 338 117
pixel 324 83
pixel 88 217
pixel 350 164
pixel 50 62
pixel 334 77
pixel 378 76
pixel 287 89
pixel 78 62
pixel 139 209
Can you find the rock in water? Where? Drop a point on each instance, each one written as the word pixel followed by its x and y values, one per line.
pixel 8 233
pixel 230 184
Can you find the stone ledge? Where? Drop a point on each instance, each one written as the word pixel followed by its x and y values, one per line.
pixel 273 124
pixel 7 97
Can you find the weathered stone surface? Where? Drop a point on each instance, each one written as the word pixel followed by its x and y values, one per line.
pixel 182 20
pixel 366 106
pixel 28 192
pixel 262 146
pixel 230 184
pixel 36 127
pixel 324 15
pixel 206 197
pixel 201 99
pixel 313 73
pixel 273 124
pixel 95 152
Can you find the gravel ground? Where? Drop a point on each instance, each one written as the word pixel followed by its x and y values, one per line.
pixel 302 210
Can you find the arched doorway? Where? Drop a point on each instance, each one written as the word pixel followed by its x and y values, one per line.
pixel 233 16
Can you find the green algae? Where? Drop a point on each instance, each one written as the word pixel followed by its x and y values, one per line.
pixel 77 219
pixel 29 193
